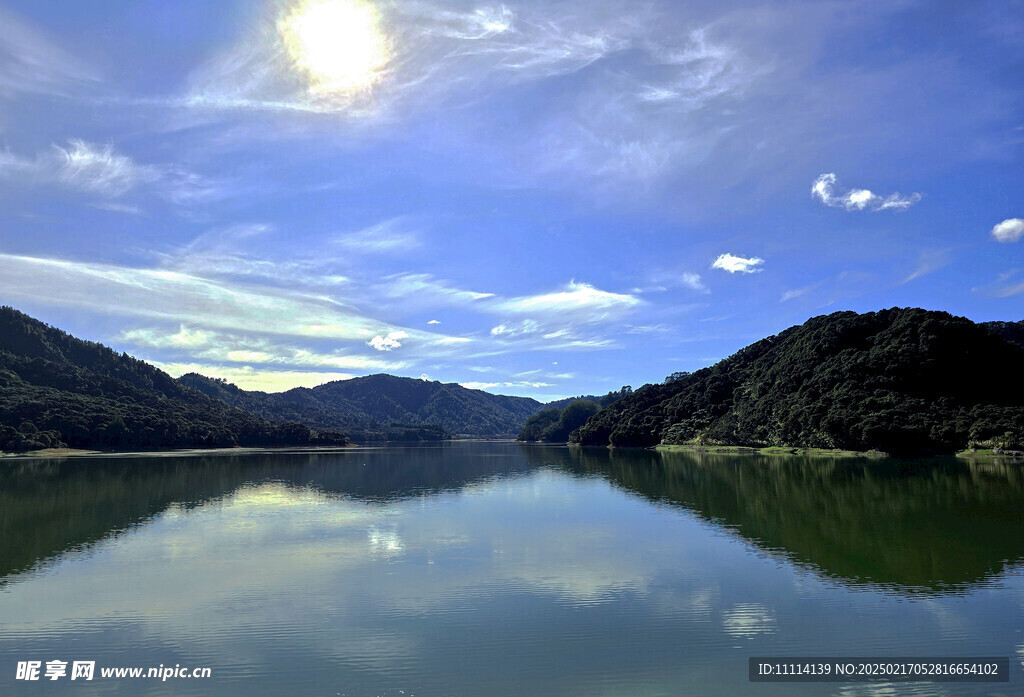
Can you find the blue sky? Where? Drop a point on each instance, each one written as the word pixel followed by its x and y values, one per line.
pixel 533 198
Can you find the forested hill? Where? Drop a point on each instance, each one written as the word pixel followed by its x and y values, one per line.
pixel 376 406
pixel 1011 331
pixel 57 390
pixel 900 380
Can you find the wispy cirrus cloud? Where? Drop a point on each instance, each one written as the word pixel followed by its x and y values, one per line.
pixel 33 63
pixel 736 264
pixel 433 51
pixel 393 235
pixel 81 166
pixel 1006 285
pixel 425 289
pixel 224 347
pixel 101 171
pixel 577 301
pixel 823 189
pixel 182 297
pixel 927 262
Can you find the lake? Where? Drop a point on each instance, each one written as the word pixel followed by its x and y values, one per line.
pixel 473 569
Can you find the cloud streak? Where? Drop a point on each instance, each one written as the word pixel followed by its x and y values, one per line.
pixel 32 63
pixel 434 50
pixel 823 190
pixel 81 166
pixel 181 297
pixel 577 301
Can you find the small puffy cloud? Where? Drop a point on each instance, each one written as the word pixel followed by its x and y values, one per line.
pixel 389 342
pixel 694 281
pixel 823 189
pixel 1010 230
pixel 735 264
pixel 433 321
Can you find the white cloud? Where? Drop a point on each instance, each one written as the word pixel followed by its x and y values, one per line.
pixel 422 288
pixel 796 293
pixel 184 338
pixel 479 385
pixel 81 166
pixel 434 51
pixel 102 171
pixel 694 281
pixel 1007 284
pixel 578 301
pixel 387 236
pixel 389 342
pixel 527 326
pixel 1010 230
pixel 99 169
pixel 181 297
pixel 434 321
pixel 735 264
pixel 515 384
pixel 237 348
pixel 31 62
pixel 823 189
pixel 927 262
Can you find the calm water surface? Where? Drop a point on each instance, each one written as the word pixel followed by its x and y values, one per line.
pixel 481 569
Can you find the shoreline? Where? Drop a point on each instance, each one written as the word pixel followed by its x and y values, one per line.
pixel 771 450
pixel 182 452
pixel 976 455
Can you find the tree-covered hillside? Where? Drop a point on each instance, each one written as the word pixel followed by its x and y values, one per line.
pixel 554 425
pixel 899 380
pixel 379 406
pixel 57 390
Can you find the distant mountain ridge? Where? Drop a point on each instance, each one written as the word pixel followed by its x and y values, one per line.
pixel 373 406
pixel 57 390
pixel 903 380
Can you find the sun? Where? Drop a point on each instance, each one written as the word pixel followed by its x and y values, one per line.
pixel 338 44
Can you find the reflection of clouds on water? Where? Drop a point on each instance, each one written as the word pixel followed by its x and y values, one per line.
pixel 748 620
pixel 695 603
pixel 903 689
pixel 385 543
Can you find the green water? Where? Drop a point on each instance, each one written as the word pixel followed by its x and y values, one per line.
pixel 480 569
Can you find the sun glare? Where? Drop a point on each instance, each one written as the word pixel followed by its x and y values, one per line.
pixel 338 44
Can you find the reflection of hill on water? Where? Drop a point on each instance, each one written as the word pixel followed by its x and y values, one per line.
pixel 50 507
pixel 911 526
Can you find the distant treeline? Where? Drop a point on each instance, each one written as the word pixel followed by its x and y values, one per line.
pixel 382 407
pixel 900 381
pixel 56 390
pixel 554 423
